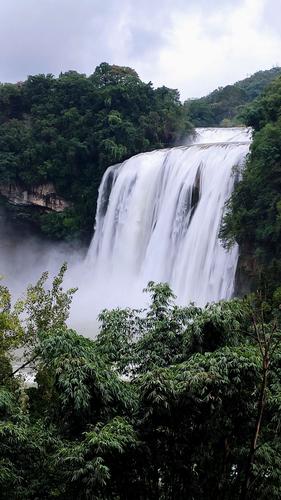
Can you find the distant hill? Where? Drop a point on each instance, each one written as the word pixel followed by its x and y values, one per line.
pixel 224 106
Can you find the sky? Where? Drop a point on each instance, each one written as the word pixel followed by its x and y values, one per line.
pixel 192 45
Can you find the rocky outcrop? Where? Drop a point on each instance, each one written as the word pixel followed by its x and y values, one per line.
pixel 247 272
pixel 43 196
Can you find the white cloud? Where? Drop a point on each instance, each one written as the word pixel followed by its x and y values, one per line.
pixel 208 49
pixel 193 45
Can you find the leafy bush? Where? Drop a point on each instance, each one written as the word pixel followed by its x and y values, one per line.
pixel 167 402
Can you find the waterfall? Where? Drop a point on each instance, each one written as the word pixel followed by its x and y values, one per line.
pixel 158 218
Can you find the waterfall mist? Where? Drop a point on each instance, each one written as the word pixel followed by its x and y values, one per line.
pixel 23 257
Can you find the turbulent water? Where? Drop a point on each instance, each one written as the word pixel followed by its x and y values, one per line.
pixel 158 218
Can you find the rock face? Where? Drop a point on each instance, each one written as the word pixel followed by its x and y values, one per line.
pixel 247 273
pixel 43 196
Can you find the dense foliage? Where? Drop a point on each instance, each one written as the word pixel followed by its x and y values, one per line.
pixel 165 403
pixel 254 215
pixel 224 106
pixel 68 130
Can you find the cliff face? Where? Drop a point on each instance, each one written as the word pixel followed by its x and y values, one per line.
pixel 247 272
pixel 43 196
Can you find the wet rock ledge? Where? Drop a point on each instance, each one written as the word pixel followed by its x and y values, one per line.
pixel 43 196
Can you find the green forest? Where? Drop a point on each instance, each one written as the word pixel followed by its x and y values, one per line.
pixel 68 130
pixel 225 106
pixel 166 402
pixel 253 217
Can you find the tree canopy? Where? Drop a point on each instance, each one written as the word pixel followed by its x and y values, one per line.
pixel 224 106
pixel 253 217
pixel 68 130
pixel 167 402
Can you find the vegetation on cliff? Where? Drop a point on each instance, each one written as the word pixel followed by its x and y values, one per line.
pixel 165 403
pixel 68 130
pixel 254 212
pixel 224 106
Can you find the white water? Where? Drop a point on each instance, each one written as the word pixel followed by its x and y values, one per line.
pixel 218 135
pixel 158 218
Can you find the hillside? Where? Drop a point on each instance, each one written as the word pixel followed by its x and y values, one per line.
pixel 224 106
pixel 254 215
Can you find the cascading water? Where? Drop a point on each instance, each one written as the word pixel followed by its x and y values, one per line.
pixel 158 218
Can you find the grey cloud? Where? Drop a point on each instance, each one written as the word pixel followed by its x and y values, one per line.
pixel 145 41
pixel 54 35
pixel 272 15
pixel 41 36
pixel 50 36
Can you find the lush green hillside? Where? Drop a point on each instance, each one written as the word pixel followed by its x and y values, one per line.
pixel 254 216
pixel 224 106
pixel 68 130
pixel 168 403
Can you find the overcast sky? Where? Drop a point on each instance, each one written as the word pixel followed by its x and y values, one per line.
pixel 192 45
